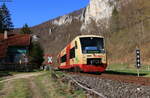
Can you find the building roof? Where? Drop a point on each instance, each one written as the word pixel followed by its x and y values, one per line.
pixel 19 40
pixel 13 40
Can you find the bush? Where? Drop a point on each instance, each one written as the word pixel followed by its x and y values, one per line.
pixel 36 55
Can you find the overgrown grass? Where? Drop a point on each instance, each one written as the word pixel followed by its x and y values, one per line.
pixel 1 86
pixel 20 89
pixel 54 88
pixel 42 87
pixel 4 73
pixel 126 66
pixel 45 85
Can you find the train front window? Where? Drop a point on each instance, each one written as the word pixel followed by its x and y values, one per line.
pixel 92 45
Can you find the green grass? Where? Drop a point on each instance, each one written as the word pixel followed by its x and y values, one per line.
pixel 43 86
pixel 1 86
pixel 126 69
pixel 8 73
pixel 20 89
pixel 126 66
pixel 67 89
pixel 56 88
pixel 11 73
pixel 4 73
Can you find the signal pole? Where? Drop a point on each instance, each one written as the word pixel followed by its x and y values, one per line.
pixel 138 61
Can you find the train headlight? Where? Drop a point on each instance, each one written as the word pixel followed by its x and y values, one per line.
pixel 104 60
pixel 84 58
pixel 103 51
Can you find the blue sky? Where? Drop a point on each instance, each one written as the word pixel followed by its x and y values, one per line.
pixel 34 12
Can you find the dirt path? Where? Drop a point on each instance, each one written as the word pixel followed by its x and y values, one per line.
pixel 8 87
pixel 34 85
pixel 34 88
pixel 19 76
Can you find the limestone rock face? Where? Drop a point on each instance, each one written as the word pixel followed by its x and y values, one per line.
pixel 98 10
pixel 63 20
pixel 67 19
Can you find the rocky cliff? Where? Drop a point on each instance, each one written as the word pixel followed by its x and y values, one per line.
pixel 98 10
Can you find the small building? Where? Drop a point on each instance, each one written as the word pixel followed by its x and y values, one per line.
pixel 14 47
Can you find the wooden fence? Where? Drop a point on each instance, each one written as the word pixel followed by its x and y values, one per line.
pixel 16 67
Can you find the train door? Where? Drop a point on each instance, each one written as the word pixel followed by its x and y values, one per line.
pixel 68 55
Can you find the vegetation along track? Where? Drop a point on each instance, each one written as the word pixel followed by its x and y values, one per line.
pixel 145 81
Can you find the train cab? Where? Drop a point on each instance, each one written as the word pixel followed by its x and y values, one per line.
pixel 86 53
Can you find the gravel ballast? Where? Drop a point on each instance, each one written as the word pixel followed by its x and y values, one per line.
pixel 112 88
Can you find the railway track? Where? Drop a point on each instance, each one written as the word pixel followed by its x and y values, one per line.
pixel 112 86
pixel 93 92
pixel 145 81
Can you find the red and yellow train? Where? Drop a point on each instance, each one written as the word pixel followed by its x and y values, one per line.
pixel 85 53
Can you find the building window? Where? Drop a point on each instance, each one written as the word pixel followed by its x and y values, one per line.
pixel 72 53
pixel 63 58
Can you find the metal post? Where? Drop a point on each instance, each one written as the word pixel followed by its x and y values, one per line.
pixel 138 72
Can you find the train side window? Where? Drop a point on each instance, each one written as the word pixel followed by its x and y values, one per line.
pixel 72 53
pixel 63 58
pixel 76 45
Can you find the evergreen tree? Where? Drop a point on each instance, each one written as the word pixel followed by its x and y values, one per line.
pixel 36 55
pixel 5 19
pixel 25 30
pixel 1 21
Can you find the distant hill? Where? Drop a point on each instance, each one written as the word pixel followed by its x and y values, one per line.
pixel 124 23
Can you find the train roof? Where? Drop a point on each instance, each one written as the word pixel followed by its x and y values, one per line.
pixel 89 36
pixel 80 36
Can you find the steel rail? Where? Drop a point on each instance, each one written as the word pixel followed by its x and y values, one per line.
pixel 86 88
